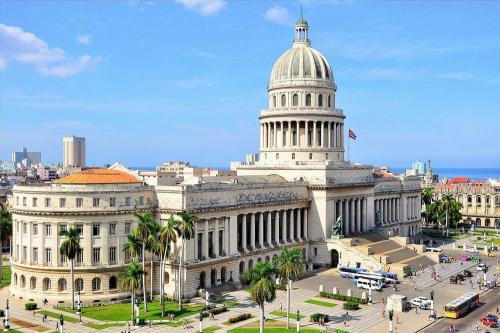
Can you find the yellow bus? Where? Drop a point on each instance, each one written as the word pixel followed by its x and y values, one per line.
pixel 460 306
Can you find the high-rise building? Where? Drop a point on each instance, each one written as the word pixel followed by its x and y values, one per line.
pixel 31 157
pixel 420 167
pixel 73 152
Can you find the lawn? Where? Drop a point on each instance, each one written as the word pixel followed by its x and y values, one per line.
pixel 6 276
pixel 274 330
pixel 103 326
pixel 121 312
pixel 211 329
pixel 321 303
pixel 57 316
pixel 293 315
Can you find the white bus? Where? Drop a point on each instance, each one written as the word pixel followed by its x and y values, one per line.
pixel 377 277
pixel 369 284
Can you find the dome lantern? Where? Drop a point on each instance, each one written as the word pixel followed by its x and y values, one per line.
pixel 301 32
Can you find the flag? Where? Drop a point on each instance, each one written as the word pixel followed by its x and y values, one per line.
pixel 352 135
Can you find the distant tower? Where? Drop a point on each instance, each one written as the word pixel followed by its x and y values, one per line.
pixel 73 152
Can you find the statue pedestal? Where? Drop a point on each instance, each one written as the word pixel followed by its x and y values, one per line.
pixel 337 236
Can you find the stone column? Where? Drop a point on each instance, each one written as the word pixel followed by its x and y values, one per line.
pixel 394 217
pixel 285 227
pixel 364 213
pixel 352 209
pixel 233 235
pixel 261 230
pixel 358 215
pixel 261 136
pixel 397 210
pixel 87 243
pixel 305 224
pixel 299 224
pixel 321 136
pixel 289 134
pixel 269 231
pixel 277 227
pixel 252 230
pixel 341 213
pixel 226 236
pixel 244 232
pixel 306 128
pixel 216 237
pixel 195 243
pixel 292 225
pixel 205 240
pixel 315 141
pixel 347 216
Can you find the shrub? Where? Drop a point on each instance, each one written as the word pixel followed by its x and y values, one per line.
pixel 350 305
pixel 316 316
pixel 30 306
pixel 142 321
pixel 2 313
pixel 344 298
pixel 214 311
pixel 281 287
pixel 338 330
pixel 238 318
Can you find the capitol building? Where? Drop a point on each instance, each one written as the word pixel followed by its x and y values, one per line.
pixel 292 194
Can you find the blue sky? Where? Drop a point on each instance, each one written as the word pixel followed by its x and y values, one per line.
pixel 147 82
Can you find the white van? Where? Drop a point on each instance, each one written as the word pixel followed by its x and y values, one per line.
pixel 368 284
pixel 471 249
pixel 434 249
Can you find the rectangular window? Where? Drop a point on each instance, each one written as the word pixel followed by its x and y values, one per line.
pixel 79 256
pixel 17 252
pixel 112 202
pixel 127 256
pixel 96 255
pixel 112 228
pixel 315 251
pixel 62 202
pixel 141 200
pixel 35 229
pixel 127 228
pixel 25 252
pixel 17 201
pixel 96 229
pixel 35 255
pixel 47 202
pixel 79 202
pixel 48 230
pixel 24 201
pixel 95 202
pixel 64 258
pixel 200 246
pixel 221 242
pixel 48 255
pixel 34 201
pixel 63 227
pixel 25 228
pixel 211 244
pixel 127 201
pixel 79 229
pixel 17 227
pixel 112 254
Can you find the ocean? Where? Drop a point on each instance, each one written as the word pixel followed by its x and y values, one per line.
pixel 474 173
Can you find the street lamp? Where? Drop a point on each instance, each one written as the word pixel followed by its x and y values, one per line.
pixel 298 321
pixel 61 324
pixel 369 295
pixel 201 322
pixel 137 316
pixel 6 325
pixel 432 315
pixel 79 307
pixel 391 314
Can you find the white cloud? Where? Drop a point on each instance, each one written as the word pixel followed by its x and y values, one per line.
pixel 204 7
pixel 278 15
pixel 19 45
pixel 84 39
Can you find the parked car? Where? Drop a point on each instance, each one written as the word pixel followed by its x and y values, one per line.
pixel 467 273
pixel 489 321
pixel 421 302
pixel 465 258
pixel 445 259
pixel 453 279
pixel 461 277
pixel 434 249
pixel 471 250
pixel 481 267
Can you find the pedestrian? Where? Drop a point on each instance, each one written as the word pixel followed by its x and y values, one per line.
pixel 383 313
pixel 57 325
pixel 150 322
pixel 497 310
pixel 397 319
pixel 383 302
pixel 416 310
pixel 347 313
pixel 345 323
pixel 477 326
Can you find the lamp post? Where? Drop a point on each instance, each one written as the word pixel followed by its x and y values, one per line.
pixel 298 321
pixel 391 314
pixel 79 306
pixel 369 295
pixel 432 315
pixel 207 297
pixel 201 322
pixel 61 324
pixel 137 311
pixel 6 325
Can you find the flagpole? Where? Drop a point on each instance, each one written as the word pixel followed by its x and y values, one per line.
pixel 348 150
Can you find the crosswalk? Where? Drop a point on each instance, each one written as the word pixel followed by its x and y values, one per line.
pixel 444 271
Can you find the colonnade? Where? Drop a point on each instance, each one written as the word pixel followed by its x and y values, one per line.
pixel 412 208
pixel 354 214
pixel 389 209
pixel 301 133
pixel 211 241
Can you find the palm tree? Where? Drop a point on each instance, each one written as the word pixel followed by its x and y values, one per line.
pixel 152 247
pixel 427 197
pixel 70 248
pixel 289 267
pixel 143 229
pixel 446 205
pixel 262 288
pixel 168 235
pixel 134 244
pixel 5 232
pixel 185 231
pixel 131 280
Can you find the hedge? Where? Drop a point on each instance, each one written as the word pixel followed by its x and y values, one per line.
pixel 214 311
pixel 280 287
pixel 344 298
pixel 30 306
pixel 2 313
pixel 338 330
pixel 315 317
pixel 241 317
pixel 350 305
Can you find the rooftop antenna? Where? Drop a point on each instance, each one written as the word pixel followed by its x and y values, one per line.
pixel 301 16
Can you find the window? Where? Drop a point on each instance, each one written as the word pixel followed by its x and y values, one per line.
pixel 79 256
pixel 478 199
pixel 78 284
pixel 17 200
pixel 127 228
pixel 277 156
pixel 127 255
pixel 310 156
pixel 127 201
pixel 34 201
pixel 79 229
pixel 320 100
pixel 48 255
pixel 25 252
pixel 274 101
pixel 79 202
pixel 35 229
pixel 24 201
pixel 308 100
pixel 95 202
pixel 62 285
pixel 96 255
pixel 141 200
pixel 112 202
pixel 221 242
pixel 295 100
pixel 283 100
pixel 112 254
pixel 64 258
pixel 329 101
pixel 63 227
pixel 32 282
pixel 315 251
pixel 62 202
pixel 96 229
pixel 46 284
pixel 48 230
pixel 25 228
pixel 47 202
pixel 96 284
pixel 113 283
pixel 211 244
pixel 200 246
pixel 35 255
pixel 293 156
pixel 112 228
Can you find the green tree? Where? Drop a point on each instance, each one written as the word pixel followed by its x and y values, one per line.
pixel 131 280
pixel 168 235
pixel 134 244
pixel 152 247
pixel 70 248
pixel 262 288
pixel 288 267
pixel 5 232
pixel 185 231
pixel 144 224
pixel 427 198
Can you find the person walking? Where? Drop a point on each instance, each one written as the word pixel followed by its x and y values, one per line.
pixel 397 319
pixel 477 326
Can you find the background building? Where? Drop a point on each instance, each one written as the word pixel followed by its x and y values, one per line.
pixel 73 152
pixel 31 157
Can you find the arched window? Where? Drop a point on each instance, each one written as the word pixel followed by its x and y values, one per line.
pixel 79 284
pixel 469 199
pixel 242 267
pixel 460 198
pixel 15 279
pixel 113 283
pixel 478 222
pixel 274 101
pixel 329 101
pixel 303 254
pixel 268 258
pixel 202 279
pixel 23 281
pixel 259 260
pixel 166 278
pixel 295 100
pixel 310 156
pixel 46 284
pixel 283 100
pixel 308 100
pixel 96 284
pixel 487 200
pixel 320 100
pixel 223 274
pixel 250 264
pixel 478 199
pixel 62 285
pixel 293 156
pixel 32 283
pixel 213 277
pixel 487 223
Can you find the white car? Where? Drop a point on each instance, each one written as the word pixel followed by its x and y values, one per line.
pixel 434 249
pixel 471 250
pixel 421 302
pixel 481 267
